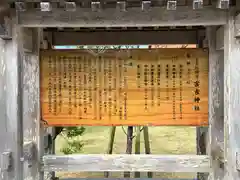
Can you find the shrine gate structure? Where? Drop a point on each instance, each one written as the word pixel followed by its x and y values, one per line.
pixel 133 82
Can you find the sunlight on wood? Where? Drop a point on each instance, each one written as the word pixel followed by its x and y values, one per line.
pixel 125 87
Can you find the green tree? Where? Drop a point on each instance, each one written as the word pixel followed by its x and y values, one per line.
pixel 70 134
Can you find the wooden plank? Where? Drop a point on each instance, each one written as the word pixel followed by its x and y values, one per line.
pixel 147 146
pixel 124 162
pixel 125 179
pixel 201 133
pixel 110 145
pixel 125 37
pixel 127 174
pixel 133 17
pixel 127 87
pixel 41 131
pixel 216 106
pixel 220 38
pixel 138 147
pixel 231 99
pixel 237 24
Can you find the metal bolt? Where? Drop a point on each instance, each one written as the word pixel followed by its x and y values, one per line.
pixel 70 6
pixel 223 4
pixel 197 4
pixel 96 6
pixel 146 5
pixel 45 6
pixel 121 5
pixel 20 6
pixel 171 5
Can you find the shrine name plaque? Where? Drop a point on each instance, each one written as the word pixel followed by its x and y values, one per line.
pixel 125 87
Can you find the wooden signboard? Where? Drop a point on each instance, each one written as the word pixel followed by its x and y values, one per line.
pixel 125 87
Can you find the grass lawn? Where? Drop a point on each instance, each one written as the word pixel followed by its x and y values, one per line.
pixel 163 140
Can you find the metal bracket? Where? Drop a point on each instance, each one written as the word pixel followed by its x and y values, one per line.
pixel 223 4
pixel 171 4
pixel 29 152
pixel 6 161
pixel 6 29
pixel 238 161
pixel 237 25
pixel 47 141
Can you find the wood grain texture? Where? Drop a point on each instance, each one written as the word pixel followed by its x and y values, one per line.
pixel 130 37
pixel 216 106
pixel 125 179
pixel 231 99
pixel 133 17
pixel 125 87
pixel 124 162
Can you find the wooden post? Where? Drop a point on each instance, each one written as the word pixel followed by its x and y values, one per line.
pixel 129 147
pixel 215 105
pixel 147 146
pixel 137 147
pixel 110 145
pixel 201 134
pixel 231 99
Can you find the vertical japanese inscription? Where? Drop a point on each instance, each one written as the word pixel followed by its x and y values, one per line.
pixel 70 86
pixel 54 86
pixel 80 88
pixel 180 89
pixel 146 86
pixel 110 88
pixel 197 86
pixel 152 83
pixel 60 62
pixel 120 88
pixel 189 69
pixel 167 82
pixel 75 81
pixel 100 80
pixel 139 76
pixel 174 87
pixel 50 84
pixel 105 86
pixel 89 73
pixel 95 88
pixel 84 85
pixel 159 84
pixel 115 85
pixel 65 69
pixel 125 89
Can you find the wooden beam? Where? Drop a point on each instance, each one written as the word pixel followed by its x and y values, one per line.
pixel 201 133
pixel 138 147
pixel 127 174
pixel 237 5
pixel 110 145
pixel 237 25
pixel 41 130
pixel 134 17
pixel 220 38
pixel 126 162
pixel 147 146
pixel 216 106
pixel 127 37
pixel 231 99
pixel 111 141
pixel 124 179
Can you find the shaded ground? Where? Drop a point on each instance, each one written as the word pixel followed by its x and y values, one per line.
pixel 163 140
